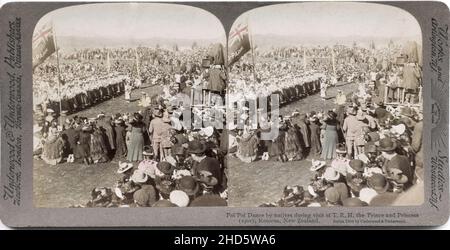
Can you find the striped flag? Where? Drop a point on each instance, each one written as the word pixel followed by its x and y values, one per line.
pixel 239 42
pixel 43 44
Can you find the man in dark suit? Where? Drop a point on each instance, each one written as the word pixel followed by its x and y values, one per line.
pixel 202 162
pixel 71 135
pixel 393 160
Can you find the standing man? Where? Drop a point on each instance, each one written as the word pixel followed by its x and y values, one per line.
pixel 411 76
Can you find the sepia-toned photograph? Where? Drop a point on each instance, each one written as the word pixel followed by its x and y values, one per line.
pixel 345 80
pixel 297 105
pixel 113 90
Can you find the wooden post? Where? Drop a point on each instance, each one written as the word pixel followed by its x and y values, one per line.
pixel 386 88
pixel 57 69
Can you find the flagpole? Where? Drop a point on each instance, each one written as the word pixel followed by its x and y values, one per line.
pixel 57 68
pixel 250 36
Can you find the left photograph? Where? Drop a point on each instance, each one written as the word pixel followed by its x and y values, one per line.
pixel 124 101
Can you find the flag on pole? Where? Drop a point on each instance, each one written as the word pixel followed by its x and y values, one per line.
pixel 239 41
pixel 138 73
pixel 108 61
pixel 43 44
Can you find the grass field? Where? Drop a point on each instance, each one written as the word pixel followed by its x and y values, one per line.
pixel 249 184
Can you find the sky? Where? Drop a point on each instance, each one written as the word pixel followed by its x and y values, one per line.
pixel 332 19
pixel 137 20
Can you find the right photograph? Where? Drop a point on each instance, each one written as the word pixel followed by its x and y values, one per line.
pixel 327 98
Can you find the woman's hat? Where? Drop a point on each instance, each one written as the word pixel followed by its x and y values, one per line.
pixel 139 176
pixel 179 198
pixel 165 167
pixel 340 149
pixel 316 165
pixel 357 165
pixel 387 144
pixel 398 129
pixel 196 147
pixel 188 185
pixel 50 111
pixel 208 131
pixel 378 183
pixel 123 167
pixel 331 174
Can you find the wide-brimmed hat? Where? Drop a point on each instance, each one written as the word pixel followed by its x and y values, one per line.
pixel 357 165
pixel 146 196
pixel 165 186
pixel 370 147
pixel 378 183
pixel 196 147
pixel 398 129
pixel 124 166
pixel 165 167
pixel 208 131
pixel 316 165
pixel 332 195
pixel 178 150
pixel 387 144
pixel 397 175
pixel 179 198
pixel 208 180
pixel 189 185
pixel 331 174
pixel 139 176
pixel 354 202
